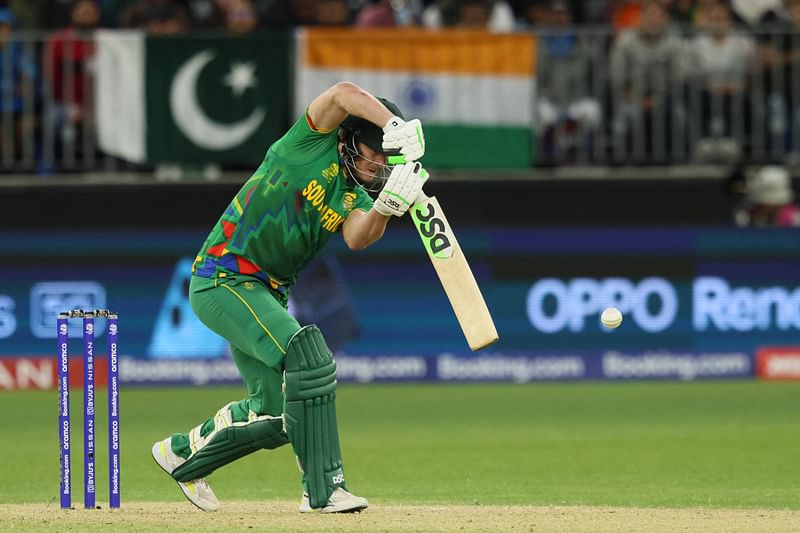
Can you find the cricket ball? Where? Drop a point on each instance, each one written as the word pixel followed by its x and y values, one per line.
pixel 611 318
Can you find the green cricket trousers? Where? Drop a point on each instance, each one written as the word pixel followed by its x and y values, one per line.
pixel 254 319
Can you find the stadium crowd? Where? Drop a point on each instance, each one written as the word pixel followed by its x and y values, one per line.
pixel 238 16
pixel 618 81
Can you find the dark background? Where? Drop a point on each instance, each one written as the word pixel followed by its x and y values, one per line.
pixel 503 202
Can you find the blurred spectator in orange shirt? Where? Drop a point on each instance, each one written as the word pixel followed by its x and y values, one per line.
pixel 626 14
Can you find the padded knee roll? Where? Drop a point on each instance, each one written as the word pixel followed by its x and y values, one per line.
pixel 310 413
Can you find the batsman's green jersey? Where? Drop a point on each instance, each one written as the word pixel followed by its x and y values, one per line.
pixel 285 213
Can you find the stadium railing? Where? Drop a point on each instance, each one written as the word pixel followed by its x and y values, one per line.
pixel 595 105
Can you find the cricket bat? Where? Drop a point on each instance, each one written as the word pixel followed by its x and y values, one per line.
pixel 454 273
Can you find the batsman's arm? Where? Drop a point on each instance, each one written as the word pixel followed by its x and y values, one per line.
pixel 330 108
pixel 363 228
pixel 402 189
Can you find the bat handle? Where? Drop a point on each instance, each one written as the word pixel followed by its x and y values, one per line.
pixel 421 197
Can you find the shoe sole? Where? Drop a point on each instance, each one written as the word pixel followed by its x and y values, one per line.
pixel 354 509
pixel 180 485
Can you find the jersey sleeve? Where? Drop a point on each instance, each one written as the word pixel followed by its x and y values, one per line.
pixel 363 200
pixel 304 143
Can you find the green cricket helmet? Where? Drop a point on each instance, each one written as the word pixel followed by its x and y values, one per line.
pixel 356 130
pixel 364 131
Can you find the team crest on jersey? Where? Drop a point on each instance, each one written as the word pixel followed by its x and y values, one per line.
pixel 249 285
pixel 349 201
pixel 331 172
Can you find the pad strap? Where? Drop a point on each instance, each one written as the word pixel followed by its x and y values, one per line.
pixel 310 413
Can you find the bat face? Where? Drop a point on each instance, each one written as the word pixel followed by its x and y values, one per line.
pixel 454 273
pixel 436 234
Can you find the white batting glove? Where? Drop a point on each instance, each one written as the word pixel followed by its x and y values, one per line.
pixel 407 137
pixel 402 189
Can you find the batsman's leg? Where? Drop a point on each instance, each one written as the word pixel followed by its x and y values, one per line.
pixel 232 308
pixel 310 418
pixel 266 339
pixel 236 430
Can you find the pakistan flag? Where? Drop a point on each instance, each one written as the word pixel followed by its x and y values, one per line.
pixel 189 99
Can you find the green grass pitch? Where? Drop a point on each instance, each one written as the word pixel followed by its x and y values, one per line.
pixel 710 444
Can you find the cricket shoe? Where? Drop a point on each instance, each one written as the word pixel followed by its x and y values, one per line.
pixel 340 501
pixel 197 490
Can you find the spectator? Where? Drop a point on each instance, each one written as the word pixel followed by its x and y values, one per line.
pixel 26 13
pixel 470 13
pixel 682 12
pixel 791 72
pixel 19 87
pixel 304 12
pixel 754 12
pixel 377 14
pixel 722 60
pixel 407 12
pixel 584 11
pixel 207 14
pixel 440 14
pixel 793 13
pixel 333 13
pixel 701 13
pixel 626 14
pixel 156 16
pixel 68 54
pixel 533 15
pixel 54 14
pixel 647 67
pixel 474 14
pixel 276 13
pixel 769 200
pixel 285 13
pixel 240 17
pixel 567 114
pixel 774 102
pixel 588 11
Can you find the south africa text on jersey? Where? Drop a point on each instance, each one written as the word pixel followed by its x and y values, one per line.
pixel 314 193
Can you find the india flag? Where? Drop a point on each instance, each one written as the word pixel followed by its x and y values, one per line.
pixel 473 91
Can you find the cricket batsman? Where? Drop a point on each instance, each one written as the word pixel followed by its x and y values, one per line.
pixel 313 183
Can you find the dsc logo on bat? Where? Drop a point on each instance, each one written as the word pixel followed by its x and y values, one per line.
pixel 435 231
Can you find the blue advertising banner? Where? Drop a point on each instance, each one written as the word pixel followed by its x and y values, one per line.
pixel 697 303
